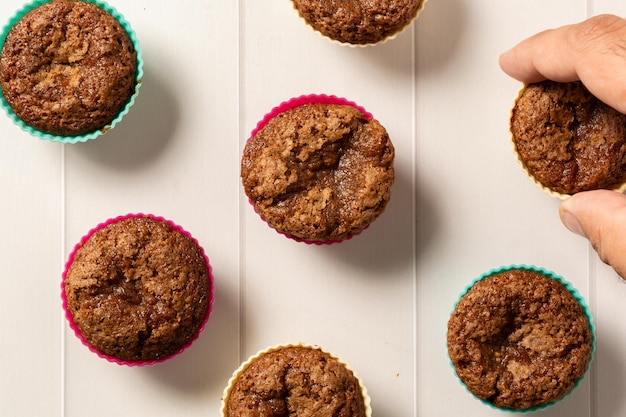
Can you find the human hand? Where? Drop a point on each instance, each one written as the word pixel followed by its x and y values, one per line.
pixel 594 52
pixel 600 216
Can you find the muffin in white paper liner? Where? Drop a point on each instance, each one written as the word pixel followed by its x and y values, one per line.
pixel 576 140
pixel 374 23
pixel 300 377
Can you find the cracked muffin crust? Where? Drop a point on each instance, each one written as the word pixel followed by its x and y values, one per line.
pixel 137 289
pixel 358 22
pixel 319 172
pixel 294 381
pixel 67 68
pixel 519 339
pixel 567 139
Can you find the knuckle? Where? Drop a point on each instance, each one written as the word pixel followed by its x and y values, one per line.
pixel 599 32
pixel 599 26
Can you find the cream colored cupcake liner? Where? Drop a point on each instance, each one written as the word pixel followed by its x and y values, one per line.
pixel 235 376
pixel 621 188
pixel 363 45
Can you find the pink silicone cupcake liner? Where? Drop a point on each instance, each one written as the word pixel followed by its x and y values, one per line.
pixel 73 325
pixel 290 104
pixel 297 239
pixel 307 99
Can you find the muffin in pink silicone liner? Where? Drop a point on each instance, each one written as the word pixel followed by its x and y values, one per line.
pixel 137 289
pixel 318 169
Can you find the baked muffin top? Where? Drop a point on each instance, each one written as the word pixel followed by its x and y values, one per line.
pixel 519 339
pixel 67 68
pixel 295 382
pixel 358 21
pixel 137 289
pixel 319 171
pixel 567 139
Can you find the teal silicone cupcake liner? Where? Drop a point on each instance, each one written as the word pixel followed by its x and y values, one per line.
pixel 91 135
pixel 577 296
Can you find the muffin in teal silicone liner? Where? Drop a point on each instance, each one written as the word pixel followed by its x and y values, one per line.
pixel 69 70
pixel 520 338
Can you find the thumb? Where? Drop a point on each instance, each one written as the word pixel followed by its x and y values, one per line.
pixel 600 216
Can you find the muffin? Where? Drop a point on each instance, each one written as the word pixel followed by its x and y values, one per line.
pixel 137 289
pixel 318 169
pixel 568 140
pixel 295 381
pixel 520 338
pixel 68 69
pixel 359 22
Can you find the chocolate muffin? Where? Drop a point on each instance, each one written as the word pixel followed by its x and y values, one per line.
pixel 567 139
pixel 519 339
pixel 358 22
pixel 67 68
pixel 295 381
pixel 319 172
pixel 138 288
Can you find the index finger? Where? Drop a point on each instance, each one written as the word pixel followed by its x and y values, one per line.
pixel 541 57
pixel 593 51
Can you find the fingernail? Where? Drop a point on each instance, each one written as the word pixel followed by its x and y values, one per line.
pixel 571 222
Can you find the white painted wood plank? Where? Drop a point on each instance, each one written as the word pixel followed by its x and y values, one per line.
pixel 30 320
pixel 607 6
pixel 476 210
pixel 354 298
pixel 30 223
pixel 609 295
pixel 174 155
